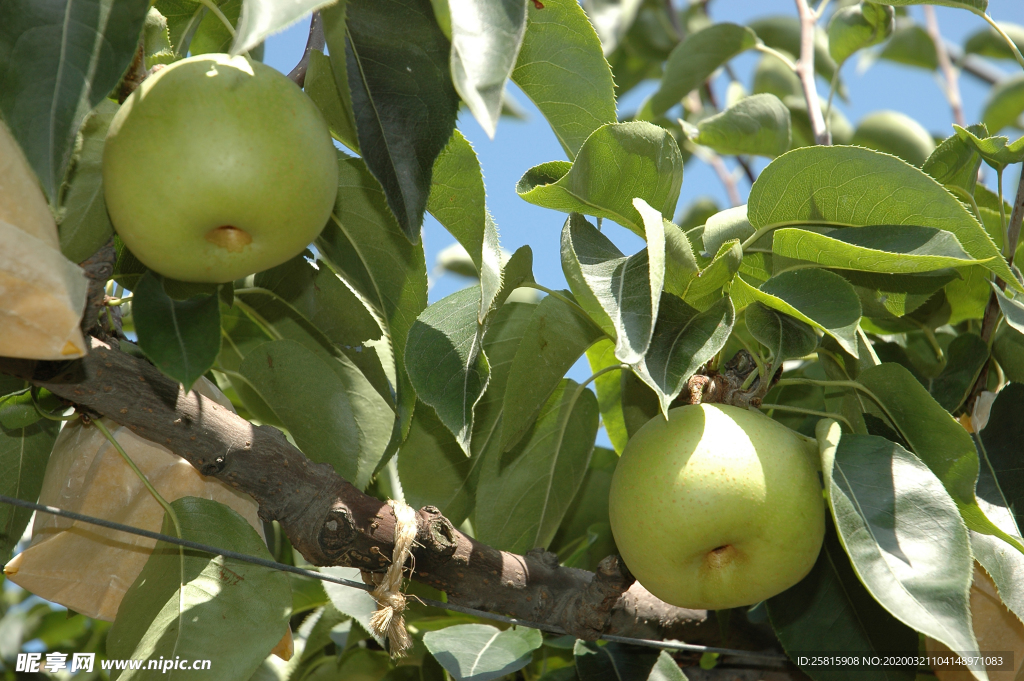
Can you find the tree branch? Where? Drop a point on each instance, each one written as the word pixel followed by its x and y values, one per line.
pixel 331 522
pixel 315 41
pixel 805 70
pixel 949 74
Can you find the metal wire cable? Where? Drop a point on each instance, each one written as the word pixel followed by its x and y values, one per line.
pixel 274 565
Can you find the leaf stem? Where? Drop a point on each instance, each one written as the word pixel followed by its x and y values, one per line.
pixel 34 394
pixel 267 327
pixel 117 302
pixel 1013 46
pixel 212 6
pixel 860 387
pixel 809 412
pixel 145 481
pixel 761 47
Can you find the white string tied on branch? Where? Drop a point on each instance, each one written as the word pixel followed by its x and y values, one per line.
pixel 388 621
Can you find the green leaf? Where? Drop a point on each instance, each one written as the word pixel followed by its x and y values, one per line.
pixel 855 27
pixel 620 662
pixel 356 603
pixel 803 135
pixel 817 297
pixel 212 36
pixel 979 7
pixel 956 163
pixel 1001 495
pixel 1004 105
pixel 364 244
pixel 608 386
pixel 888 506
pixel 830 610
pixel 693 61
pixel 887 249
pixel 446 363
pixel 85 226
pixel 620 293
pixel 911 45
pixel 587 518
pixel 758 125
pixel 457 200
pixel 262 18
pixel 396 53
pixel 558 335
pixel 965 357
pixel 486 37
pixel 706 287
pixel 183 20
pixel 611 19
pixel 433 468
pixel 895 133
pixel 1008 350
pixel 181 337
pixel 680 263
pixel 787 337
pixel 988 43
pixel 562 70
pixel 618 163
pixel 529 489
pixel 24 452
pixel 854 187
pixel 480 652
pixel 183 598
pixel 322 85
pixel 58 60
pixel 724 226
pixel 997 151
pixel 933 435
pixel 684 340
pixel 783 33
pixel 1013 309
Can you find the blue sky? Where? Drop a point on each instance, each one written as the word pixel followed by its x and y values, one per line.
pixel 519 145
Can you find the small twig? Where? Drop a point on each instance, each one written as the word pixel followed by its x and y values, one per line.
pixel 805 70
pixel 949 74
pixel 991 318
pixel 315 41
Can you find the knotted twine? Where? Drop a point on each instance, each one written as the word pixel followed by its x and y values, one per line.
pixel 388 621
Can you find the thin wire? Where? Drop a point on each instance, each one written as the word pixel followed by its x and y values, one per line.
pixel 255 560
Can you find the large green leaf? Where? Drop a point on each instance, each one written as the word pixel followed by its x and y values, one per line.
pixel 433 468
pixel 976 6
pixel 562 70
pixel 830 610
pixel 183 598
pixel 457 200
pixel 855 187
pixel 366 247
pixel 817 297
pixel 529 488
pixel 620 293
pixel 557 336
pixel 706 287
pixel 723 226
pixel 855 27
pixel 903 533
pixel 1001 495
pixel 911 45
pixel 621 662
pixel 24 452
pixel 480 652
pixel 611 19
pixel 786 336
pixel 933 435
pixel 758 125
pixel 618 163
pixel 965 357
pixel 85 226
pixel 887 249
pixel 693 61
pixel 486 37
pixel 684 340
pixel 58 60
pixel 446 362
pixel 996 150
pixel 396 54
pixel 337 419
pixel 182 338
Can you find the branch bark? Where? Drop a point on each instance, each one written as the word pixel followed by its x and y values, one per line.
pixel 331 522
pixel 315 41
pixel 949 74
pixel 805 70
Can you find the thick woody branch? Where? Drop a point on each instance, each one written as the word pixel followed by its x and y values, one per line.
pixel 331 522
pixel 315 41
pixel 805 70
pixel 949 74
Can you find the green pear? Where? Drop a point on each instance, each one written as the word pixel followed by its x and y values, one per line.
pixel 717 507
pixel 217 167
